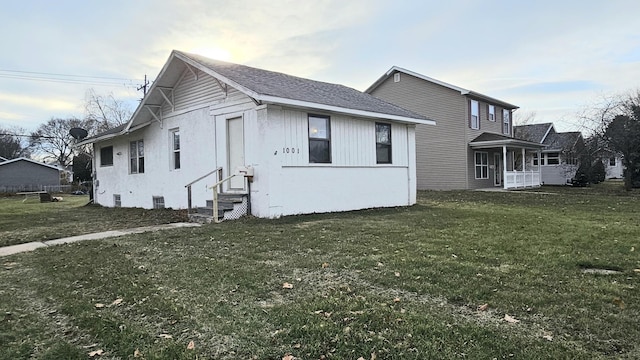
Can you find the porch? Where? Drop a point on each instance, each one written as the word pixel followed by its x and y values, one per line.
pixel 513 166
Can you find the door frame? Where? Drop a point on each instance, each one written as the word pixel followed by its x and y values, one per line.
pixel 497 169
pixel 235 183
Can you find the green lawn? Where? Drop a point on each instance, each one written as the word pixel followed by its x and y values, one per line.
pixel 23 221
pixel 403 283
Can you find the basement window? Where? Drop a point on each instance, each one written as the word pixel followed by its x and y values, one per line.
pixel 116 200
pixel 158 202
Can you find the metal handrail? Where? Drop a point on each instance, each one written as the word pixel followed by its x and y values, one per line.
pixel 188 186
pixel 215 195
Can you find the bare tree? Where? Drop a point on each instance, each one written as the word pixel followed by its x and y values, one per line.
pixel 105 111
pixel 12 144
pixel 52 140
pixel 524 118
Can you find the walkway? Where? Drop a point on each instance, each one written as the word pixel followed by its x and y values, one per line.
pixel 15 249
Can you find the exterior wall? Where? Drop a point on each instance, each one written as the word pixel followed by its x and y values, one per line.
pixel 26 175
pixel 200 123
pixel 285 183
pixel 558 174
pixel 443 159
pixel 441 149
pixel 616 171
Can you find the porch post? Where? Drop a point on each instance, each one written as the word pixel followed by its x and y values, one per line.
pixel 539 154
pixel 504 166
pixel 524 172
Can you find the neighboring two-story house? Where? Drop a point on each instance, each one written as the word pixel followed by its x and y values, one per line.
pixel 472 145
pixel 560 157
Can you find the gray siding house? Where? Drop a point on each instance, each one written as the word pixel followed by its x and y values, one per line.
pixel 559 159
pixel 472 145
pixel 24 174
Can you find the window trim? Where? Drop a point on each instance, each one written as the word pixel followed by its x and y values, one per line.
pixel 174 151
pixel 388 145
pixel 491 112
pixel 471 114
pixel 326 139
pixel 483 165
pixel 102 164
pixel 506 120
pixel 139 159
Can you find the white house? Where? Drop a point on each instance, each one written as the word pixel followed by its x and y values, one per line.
pixel 311 146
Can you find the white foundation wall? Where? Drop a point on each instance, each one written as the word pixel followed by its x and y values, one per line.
pixel 285 183
pixel 197 157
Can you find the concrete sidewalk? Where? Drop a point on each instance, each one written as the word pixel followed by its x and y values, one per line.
pixel 15 249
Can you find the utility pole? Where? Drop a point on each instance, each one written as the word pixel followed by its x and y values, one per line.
pixel 143 87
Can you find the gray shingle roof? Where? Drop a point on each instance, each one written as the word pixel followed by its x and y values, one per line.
pixel 532 132
pixel 562 141
pixel 279 85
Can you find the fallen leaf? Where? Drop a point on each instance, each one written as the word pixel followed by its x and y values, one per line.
pixel 619 302
pixel 117 301
pixel 380 264
pixel 297 346
pixel 288 357
pixel 90 346
pixel 165 336
pixel 137 354
pixel 325 265
pixel 396 300
pixel 191 345
pixel 454 256
pixel 96 353
pixel 548 337
pixel 373 356
pixel 397 274
pixel 287 286
pixel 361 358
pixel 510 319
pixel 636 270
pixel 99 306
pixel 483 307
pixel 318 311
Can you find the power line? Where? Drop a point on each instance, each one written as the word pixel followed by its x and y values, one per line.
pixel 54 74
pixel 29 136
pixel 65 81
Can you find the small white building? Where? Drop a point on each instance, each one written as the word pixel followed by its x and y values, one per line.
pixel 310 146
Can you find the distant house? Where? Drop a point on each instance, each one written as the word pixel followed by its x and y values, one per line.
pixel 305 146
pixel 24 174
pixel 473 144
pixel 613 165
pixel 560 158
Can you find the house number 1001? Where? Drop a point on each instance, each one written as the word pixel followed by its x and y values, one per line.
pixel 290 150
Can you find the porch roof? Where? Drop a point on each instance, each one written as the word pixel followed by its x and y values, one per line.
pixel 490 140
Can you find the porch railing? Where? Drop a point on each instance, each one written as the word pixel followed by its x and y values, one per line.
pixel 521 179
pixel 188 186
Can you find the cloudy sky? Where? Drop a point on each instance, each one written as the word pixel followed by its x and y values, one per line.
pixel 549 57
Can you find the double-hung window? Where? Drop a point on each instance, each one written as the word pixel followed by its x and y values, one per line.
pixel 136 157
pixel 383 143
pixel 175 148
pixel 506 122
pixel 319 139
pixel 482 164
pixel 491 112
pixel 474 115
pixel 553 158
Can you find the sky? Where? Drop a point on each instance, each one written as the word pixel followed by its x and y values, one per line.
pixel 551 58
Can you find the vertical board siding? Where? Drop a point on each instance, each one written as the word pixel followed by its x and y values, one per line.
pixel 353 141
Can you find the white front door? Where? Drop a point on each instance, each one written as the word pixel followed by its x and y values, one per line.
pixel 235 151
pixel 497 170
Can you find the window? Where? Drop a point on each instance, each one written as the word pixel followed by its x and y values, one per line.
pixel 534 161
pixel 319 139
pixel 506 122
pixel 482 164
pixel 612 161
pixel 136 156
pixel 491 113
pixel 571 159
pixel 396 77
pixel 474 120
pixel 106 156
pixel 175 152
pixel 158 202
pixel 383 143
pixel 552 159
pixel 116 200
